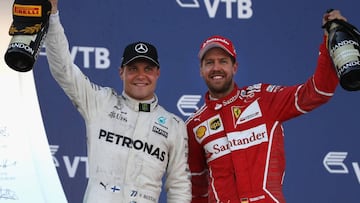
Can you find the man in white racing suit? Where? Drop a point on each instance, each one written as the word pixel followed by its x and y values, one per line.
pixel 132 142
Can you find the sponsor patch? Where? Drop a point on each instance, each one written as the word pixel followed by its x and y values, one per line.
pixel 251 112
pixel 217 148
pixel 236 112
pixel 235 141
pixel 273 88
pixel 244 200
pixel 215 124
pixel 160 131
pixel 27 10
pixel 200 132
pixel 247 138
pixel 127 142
pixel 209 127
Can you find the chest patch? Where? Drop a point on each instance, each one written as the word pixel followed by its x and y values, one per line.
pixel 209 127
pixel 249 113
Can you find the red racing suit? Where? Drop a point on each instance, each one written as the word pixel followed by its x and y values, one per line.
pixel 236 147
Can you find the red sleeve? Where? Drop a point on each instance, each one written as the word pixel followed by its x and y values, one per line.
pixel 198 168
pixel 299 99
pixel 321 86
pixel 325 78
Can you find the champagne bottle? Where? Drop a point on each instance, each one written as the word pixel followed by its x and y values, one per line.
pixel 343 46
pixel 28 30
pixel 23 50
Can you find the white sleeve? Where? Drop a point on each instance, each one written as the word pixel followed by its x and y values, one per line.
pixel 178 184
pixel 76 85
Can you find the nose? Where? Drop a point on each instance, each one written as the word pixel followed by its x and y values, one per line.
pixel 141 73
pixel 217 66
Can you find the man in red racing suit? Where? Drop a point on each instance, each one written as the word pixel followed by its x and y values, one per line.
pixel 236 147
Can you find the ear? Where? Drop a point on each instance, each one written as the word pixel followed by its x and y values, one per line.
pixel 235 67
pixel 158 72
pixel 200 70
pixel 121 72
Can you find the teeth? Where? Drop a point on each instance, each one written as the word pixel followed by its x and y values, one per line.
pixel 217 77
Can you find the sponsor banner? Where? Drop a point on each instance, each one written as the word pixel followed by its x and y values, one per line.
pixel 27 172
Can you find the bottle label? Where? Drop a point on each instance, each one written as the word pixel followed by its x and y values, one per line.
pixel 345 54
pixel 23 42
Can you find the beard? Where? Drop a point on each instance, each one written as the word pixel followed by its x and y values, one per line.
pixel 220 89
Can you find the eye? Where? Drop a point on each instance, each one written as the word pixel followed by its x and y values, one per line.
pixel 224 61
pixel 132 68
pixel 209 63
pixel 149 69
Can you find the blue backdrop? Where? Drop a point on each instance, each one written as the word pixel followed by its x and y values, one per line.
pixel 277 42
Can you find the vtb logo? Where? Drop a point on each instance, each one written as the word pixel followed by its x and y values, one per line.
pixel 91 57
pixel 334 163
pixel 242 7
pixel 71 166
pixel 188 104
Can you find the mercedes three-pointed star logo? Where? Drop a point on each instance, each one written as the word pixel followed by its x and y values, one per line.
pixel 141 48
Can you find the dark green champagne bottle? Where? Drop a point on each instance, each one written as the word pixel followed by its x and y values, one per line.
pixel 343 45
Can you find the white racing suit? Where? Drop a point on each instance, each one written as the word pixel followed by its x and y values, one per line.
pixel 130 145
